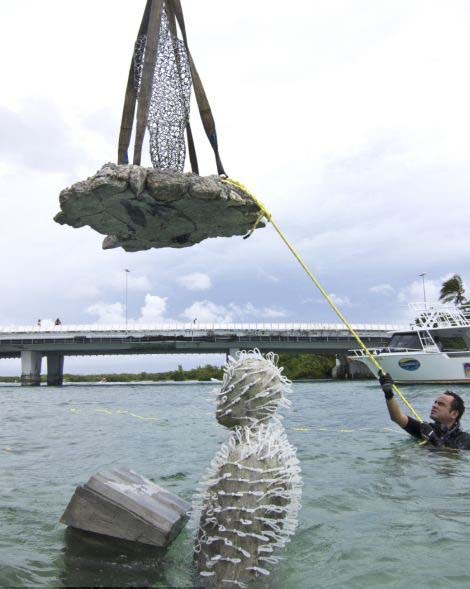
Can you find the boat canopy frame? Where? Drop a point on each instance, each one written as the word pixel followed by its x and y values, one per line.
pixel 438 316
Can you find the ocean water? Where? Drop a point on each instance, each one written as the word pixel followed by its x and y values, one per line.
pixel 378 510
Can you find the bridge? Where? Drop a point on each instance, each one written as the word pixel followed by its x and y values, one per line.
pixel 32 344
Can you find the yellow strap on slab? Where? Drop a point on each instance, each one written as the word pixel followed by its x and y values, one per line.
pixel 350 328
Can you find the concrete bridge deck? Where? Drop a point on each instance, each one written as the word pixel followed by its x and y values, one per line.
pixel 31 344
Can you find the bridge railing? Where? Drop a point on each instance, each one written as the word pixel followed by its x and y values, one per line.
pixel 194 327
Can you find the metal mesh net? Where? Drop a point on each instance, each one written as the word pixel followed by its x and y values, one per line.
pixel 170 100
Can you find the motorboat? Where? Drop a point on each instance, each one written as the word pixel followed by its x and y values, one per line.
pixel 436 348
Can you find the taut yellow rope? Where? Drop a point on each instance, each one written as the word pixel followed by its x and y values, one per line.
pixel 269 218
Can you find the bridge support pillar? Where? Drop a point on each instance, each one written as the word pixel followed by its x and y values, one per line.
pixel 31 368
pixel 55 369
pixel 341 368
pixel 232 352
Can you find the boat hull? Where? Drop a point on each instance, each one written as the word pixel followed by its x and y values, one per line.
pixel 421 367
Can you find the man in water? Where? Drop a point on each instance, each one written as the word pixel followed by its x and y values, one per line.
pixel 446 412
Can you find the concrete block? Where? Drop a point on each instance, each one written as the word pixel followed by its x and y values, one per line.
pixel 123 504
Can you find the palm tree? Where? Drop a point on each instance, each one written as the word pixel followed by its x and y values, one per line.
pixel 452 291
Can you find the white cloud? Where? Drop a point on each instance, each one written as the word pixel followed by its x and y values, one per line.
pixel 249 312
pixel 267 276
pixel 35 129
pixel 5 169
pixel 195 281
pixel 82 289
pixel 47 323
pixel 273 313
pixel 134 282
pixel 139 283
pixel 208 312
pixel 241 311
pixel 107 312
pixel 414 292
pixel 340 301
pixel 153 310
pixel 382 289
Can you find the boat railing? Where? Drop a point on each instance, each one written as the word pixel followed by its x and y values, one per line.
pixel 427 341
pixel 435 316
pixel 378 351
pixel 465 310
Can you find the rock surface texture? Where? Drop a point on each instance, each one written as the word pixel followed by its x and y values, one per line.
pixel 139 208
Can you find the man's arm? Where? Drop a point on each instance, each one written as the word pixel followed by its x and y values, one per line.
pixel 396 414
pixel 394 410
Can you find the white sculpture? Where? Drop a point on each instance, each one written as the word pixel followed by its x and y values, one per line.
pixel 247 507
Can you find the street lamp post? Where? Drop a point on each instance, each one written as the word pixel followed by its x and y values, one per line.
pixel 126 273
pixel 424 288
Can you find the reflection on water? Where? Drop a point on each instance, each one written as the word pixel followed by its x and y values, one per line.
pixel 378 510
pixel 93 560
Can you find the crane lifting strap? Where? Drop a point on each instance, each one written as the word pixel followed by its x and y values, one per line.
pixel 140 94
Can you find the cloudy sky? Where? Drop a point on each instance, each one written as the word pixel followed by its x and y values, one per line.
pixel 348 118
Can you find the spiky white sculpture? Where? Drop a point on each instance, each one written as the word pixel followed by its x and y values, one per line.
pixel 248 502
pixel 252 389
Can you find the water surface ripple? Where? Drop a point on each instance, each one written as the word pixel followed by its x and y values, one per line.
pixel 377 511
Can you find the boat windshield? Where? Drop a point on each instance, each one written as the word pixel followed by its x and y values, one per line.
pixel 450 342
pixel 409 341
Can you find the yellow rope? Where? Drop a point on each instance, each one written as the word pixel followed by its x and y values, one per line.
pixel 269 218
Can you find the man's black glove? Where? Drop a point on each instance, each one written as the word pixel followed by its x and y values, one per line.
pixel 428 433
pixel 386 382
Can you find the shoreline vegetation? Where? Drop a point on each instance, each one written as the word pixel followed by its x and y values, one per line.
pixel 296 367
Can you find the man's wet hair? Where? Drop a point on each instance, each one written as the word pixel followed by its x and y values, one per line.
pixel 457 403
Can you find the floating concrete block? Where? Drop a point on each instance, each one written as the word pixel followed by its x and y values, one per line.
pixel 139 208
pixel 123 504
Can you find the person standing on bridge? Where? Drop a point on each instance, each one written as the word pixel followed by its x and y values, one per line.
pixel 446 412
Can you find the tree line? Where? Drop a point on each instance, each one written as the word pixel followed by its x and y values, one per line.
pixel 296 367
